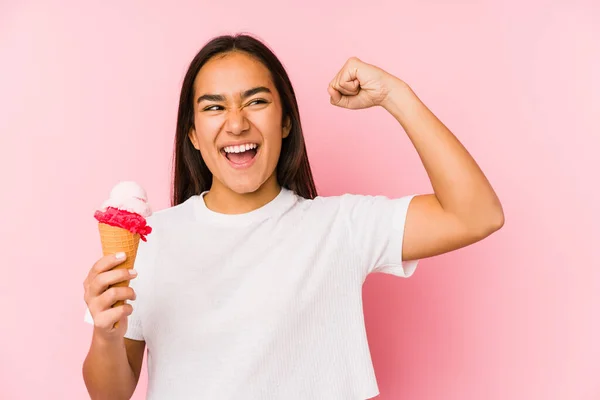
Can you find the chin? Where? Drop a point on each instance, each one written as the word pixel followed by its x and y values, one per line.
pixel 244 187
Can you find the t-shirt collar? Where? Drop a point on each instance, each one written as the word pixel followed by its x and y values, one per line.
pixel 285 199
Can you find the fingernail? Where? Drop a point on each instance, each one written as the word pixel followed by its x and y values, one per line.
pixel 120 255
pixel 132 272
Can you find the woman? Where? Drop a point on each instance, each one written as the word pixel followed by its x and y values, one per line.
pixel 250 286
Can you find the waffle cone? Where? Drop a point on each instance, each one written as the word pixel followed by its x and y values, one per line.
pixel 114 240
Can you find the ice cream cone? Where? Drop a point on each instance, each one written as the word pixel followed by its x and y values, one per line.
pixel 122 223
pixel 114 240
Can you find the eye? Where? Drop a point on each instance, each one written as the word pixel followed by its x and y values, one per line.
pixel 212 108
pixel 257 101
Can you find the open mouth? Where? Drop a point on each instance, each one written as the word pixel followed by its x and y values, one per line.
pixel 242 155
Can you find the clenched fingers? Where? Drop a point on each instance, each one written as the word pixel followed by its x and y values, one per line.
pixel 105 279
pixel 104 264
pixel 107 319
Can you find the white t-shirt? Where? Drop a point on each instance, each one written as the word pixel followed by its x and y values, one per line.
pixel 264 305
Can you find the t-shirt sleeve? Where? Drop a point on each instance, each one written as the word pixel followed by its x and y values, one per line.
pixel 140 284
pixel 377 228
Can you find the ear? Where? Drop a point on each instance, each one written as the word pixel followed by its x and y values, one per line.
pixel 287 127
pixel 192 136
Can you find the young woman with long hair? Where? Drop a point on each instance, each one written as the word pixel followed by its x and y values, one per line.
pixel 250 285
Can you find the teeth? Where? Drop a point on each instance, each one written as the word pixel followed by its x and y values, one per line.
pixel 241 148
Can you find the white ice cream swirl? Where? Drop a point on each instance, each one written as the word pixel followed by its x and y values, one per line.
pixel 128 196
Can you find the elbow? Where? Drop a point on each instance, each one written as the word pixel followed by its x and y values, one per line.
pixel 499 221
pixel 483 225
pixel 496 217
pixel 492 216
pixel 492 223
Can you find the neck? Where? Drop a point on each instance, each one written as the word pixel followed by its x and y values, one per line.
pixel 223 200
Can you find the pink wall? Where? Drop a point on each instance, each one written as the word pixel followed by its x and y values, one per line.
pixel 88 96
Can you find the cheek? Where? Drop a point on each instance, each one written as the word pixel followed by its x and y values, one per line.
pixel 206 133
pixel 275 137
pixel 208 153
pixel 271 128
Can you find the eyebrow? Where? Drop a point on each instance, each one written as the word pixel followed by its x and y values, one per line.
pixel 245 94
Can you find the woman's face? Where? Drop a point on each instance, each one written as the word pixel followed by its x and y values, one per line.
pixel 237 122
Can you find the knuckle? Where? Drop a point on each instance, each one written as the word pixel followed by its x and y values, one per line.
pixel 92 287
pixel 112 294
pixel 93 307
pixel 102 264
pixel 100 280
pixel 100 322
pixel 97 267
pixel 121 292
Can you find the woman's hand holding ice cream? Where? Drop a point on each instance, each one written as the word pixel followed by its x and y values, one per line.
pixel 100 296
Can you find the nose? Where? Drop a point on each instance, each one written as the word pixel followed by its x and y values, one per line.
pixel 236 122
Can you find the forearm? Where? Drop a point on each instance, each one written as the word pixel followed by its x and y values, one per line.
pixel 106 371
pixel 458 183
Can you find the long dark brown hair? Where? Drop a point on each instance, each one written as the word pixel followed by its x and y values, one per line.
pixel 191 176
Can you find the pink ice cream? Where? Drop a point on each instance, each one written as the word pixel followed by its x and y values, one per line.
pixel 127 207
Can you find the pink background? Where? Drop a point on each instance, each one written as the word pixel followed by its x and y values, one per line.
pixel 88 97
